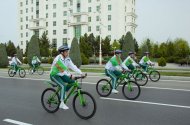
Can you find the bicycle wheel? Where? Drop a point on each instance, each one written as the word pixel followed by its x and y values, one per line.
pixel 154 76
pixel 84 105
pixel 141 79
pixel 40 70
pixel 11 72
pixel 22 73
pixel 50 100
pixel 131 90
pixel 103 87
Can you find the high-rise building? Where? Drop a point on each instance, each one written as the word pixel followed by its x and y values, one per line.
pixel 64 19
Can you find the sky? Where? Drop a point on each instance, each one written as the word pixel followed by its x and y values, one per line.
pixel 158 20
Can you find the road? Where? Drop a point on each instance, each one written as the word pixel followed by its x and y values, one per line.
pixel 163 103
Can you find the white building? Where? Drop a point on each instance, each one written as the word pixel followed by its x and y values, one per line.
pixel 64 19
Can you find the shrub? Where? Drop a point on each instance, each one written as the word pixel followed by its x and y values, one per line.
pixel 3 56
pixel 162 62
pixel 50 60
pixel 85 60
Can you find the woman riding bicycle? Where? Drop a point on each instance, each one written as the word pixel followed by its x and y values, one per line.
pixel 129 62
pixel 60 74
pixel 15 62
pixel 35 63
pixel 113 69
pixel 145 61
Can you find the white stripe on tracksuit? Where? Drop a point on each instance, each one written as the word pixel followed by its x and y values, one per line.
pixel 114 78
pixel 62 89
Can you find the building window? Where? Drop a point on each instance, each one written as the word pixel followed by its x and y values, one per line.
pixel 71 2
pixel 26 26
pixel 46 32
pixel 20 11
pixel 37 23
pixel 78 18
pixel 89 29
pixel 31 1
pixel 97 28
pixel 54 43
pixel 21 20
pixel 89 9
pixel 125 9
pixel 54 32
pixel 89 1
pixel 65 31
pixel 26 2
pixel 21 4
pixel 46 15
pixel 46 24
pixel 64 22
pixel 54 23
pixel 26 18
pixel 65 41
pixel 125 18
pixel 54 15
pixel 89 19
pixel 21 27
pixel 21 42
pixel 26 34
pixel 32 9
pixel 46 7
pixel 109 17
pixel 97 18
pixel 78 6
pixel 65 13
pixel 65 4
pixel 97 8
pixel 109 27
pixel 21 35
pixel 26 10
pixel 54 6
pixel 31 17
pixel 109 7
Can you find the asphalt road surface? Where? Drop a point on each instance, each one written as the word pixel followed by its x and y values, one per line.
pixel 166 102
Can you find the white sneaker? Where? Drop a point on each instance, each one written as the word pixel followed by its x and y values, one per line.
pixel 63 106
pixel 114 91
pixel 145 73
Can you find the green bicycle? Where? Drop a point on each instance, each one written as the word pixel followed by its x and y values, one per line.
pixel 154 75
pixel 19 69
pixel 84 104
pixel 131 90
pixel 39 69
pixel 139 77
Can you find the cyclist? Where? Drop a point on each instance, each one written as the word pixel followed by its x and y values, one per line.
pixel 145 61
pixel 129 62
pixel 15 62
pixel 60 74
pixel 35 63
pixel 113 69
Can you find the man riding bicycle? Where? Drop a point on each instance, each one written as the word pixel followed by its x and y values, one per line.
pixel 15 62
pixel 145 61
pixel 129 62
pixel 35 63
pixel 60 74
pixel 113 69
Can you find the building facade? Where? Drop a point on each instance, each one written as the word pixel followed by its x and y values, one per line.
pixel 64 19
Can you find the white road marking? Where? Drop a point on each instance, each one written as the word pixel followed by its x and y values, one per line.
pixel 91 83
pixel 15 122
pixel 150 103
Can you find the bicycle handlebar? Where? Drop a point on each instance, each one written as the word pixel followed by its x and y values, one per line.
pixel 80 77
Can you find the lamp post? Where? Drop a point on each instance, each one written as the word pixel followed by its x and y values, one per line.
pixel 100 51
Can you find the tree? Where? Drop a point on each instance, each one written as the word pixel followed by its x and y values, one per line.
pixel 127 45
pixel 54 52
pixel 136 46
pixel 33 49
pixel 170 47
pixel 3 56
pixel 11 49
pixel 163 50
pixel 19 54
pixel 75 53
pixel 85 46
pixel 181 48
pixel 94 43
pixel 106 47
pixel 44 45
pixel 156 53
pixel 162 62
pixel 115 45
pixel 121 41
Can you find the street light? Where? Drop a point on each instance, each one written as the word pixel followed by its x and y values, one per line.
pixel 100 51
